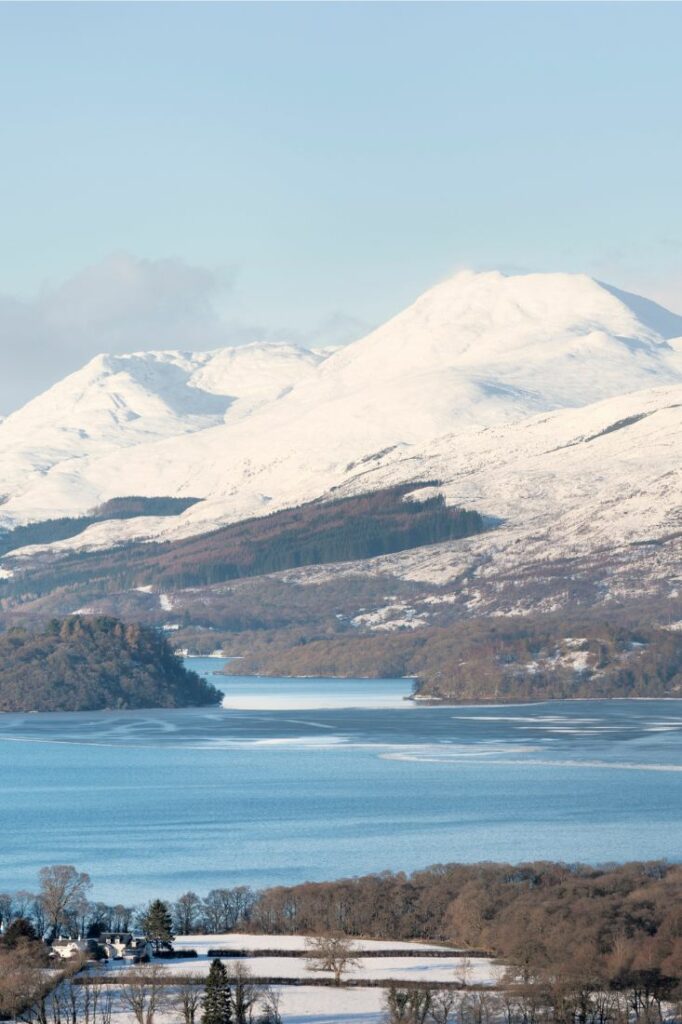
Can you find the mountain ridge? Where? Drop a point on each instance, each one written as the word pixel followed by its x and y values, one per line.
pixel 553 414
pixel 477 350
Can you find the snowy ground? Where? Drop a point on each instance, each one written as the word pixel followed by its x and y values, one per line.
pixel 342 1006
pixel 299 1003
pixel 244 940
pixel 472 971
pixel 315 1004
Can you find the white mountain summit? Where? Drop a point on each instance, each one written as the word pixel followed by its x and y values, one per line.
pixel 123 402
pixel 266 426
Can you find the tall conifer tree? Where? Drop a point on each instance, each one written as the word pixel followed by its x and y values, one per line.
pixel 157 925
pixel 217 1001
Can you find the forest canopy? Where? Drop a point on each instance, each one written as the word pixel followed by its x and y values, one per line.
pixel 606 920
pixel 85 663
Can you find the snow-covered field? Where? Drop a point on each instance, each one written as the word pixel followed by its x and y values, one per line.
pixel 302 1003
pixel 472 971
pixel 316 1004
pixel 245 940
pixel 340 1006
pixel 476 971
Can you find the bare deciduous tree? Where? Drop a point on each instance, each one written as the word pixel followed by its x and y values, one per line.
pixel 23 901
pixel 270 1001
pixel 6 908
pixel 23 985
pixel 333 953
pixel 464 971
pixel 224 909
pixel 144 992
pixel 121 917
pixel 407 1004
pixel 63 891
pixel 106 1005
pixel 245 993
pixel 444 1006
pixel 478 1008
pixel 187 1000
pixel 66 1003
pixel 186 912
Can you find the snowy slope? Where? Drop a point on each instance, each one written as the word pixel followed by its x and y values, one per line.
pixel 479 350
pixel 576 480
pixel 118 403
pixel 587 505
pixel 587 512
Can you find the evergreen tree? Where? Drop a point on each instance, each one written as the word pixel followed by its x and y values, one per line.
pixel 217 1001
pixel 157 925
pixel 20 930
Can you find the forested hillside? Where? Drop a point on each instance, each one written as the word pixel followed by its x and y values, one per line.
pixel 47 531
pixel 496 660
pixel 342 529
pixel 87 664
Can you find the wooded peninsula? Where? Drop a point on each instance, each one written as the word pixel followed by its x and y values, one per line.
pixel 84 663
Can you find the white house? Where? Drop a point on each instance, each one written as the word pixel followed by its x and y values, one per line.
pixel 110 946
pixel 125 946
pixel 68 949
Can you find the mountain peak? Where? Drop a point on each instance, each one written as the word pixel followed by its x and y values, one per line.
pixel 480 323
pixel 246 424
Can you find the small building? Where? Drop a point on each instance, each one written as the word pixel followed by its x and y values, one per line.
pixel 125 946
pixel 70 949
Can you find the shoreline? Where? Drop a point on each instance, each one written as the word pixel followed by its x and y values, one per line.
pixel 428 701
pixel 416 698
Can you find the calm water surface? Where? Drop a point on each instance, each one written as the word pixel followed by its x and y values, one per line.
pixel 312 779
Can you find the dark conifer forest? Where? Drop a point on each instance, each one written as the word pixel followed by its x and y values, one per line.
pixel 48 531
pixel 338 530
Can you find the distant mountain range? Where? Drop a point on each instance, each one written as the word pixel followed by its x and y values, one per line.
pixel 548 404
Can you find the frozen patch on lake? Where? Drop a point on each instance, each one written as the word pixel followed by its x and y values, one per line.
pixel 451 752
pixel 255 693
pixel 299 741
pixel 283 702
pixel 513 756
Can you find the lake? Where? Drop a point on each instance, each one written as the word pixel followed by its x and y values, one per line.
pixel 299 779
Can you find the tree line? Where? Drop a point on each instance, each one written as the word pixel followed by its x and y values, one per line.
pixel 582 944
pixel 61 906
pixel 542 914
pixel 493 659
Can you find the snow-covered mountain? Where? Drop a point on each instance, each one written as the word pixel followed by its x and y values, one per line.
pixel 264 427
pixel 118 403
pixel 586 501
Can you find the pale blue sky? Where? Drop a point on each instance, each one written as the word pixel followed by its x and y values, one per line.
pixel 322 163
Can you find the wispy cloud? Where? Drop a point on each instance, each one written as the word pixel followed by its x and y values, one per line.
pixel 119 304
